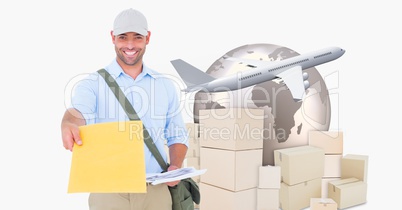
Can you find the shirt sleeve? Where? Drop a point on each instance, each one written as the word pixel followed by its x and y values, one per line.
pixel 84 97
pixel 175 130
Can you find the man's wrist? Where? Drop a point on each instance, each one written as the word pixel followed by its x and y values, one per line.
pixel 172 167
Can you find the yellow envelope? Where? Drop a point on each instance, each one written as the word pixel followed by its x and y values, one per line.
pixel 110 160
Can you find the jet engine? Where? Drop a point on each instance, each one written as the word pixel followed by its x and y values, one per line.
pixel 305 82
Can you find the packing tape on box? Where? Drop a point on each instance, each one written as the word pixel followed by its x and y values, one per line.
pixel 324 202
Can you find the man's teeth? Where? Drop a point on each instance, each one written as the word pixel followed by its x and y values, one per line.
pixel 130 53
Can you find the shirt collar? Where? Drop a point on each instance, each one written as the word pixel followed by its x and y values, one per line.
pixel 115 69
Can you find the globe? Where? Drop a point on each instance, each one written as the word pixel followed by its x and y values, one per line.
pixel 286 122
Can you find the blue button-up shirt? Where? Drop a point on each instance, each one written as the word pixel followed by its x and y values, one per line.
pixel 153 96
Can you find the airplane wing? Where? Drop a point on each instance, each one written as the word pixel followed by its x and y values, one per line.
pixel 293 79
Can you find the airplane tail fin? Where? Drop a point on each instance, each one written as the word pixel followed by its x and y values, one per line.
pixel 190 74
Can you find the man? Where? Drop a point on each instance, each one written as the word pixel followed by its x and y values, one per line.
pixel 155 100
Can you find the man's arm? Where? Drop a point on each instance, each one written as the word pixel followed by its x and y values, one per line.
pixel 177 153
pixel 175 130
pixel 70 133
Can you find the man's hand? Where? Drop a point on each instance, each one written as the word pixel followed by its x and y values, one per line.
pixel 176 154
pixel 174 183
pixel 70 132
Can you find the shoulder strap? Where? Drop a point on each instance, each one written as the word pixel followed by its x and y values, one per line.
pixel 132 115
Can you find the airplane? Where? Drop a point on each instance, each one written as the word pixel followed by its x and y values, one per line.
pixel 290 70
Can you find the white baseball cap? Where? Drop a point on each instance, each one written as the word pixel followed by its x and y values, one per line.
pixel 130 20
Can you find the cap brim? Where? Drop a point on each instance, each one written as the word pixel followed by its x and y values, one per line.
pixel 141 31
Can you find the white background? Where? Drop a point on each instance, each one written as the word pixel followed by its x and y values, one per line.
pixel 46 44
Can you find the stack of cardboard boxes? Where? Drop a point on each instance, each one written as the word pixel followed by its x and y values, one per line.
pixel 192 158
pixel 301 170
pixel 268 188
pixel 332 144
pixel 351 189
pixel 231 143
pixel 344 183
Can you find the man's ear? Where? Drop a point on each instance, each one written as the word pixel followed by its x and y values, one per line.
pixel 113 37
pixel 148 37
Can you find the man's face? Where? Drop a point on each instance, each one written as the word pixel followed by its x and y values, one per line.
pixel 130 47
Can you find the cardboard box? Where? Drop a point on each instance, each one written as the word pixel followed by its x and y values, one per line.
pixel 324 186
pixel 231 170
pixel 330 141
pixel 193 149
pixel 347 192
pixel 214 198
pixel 296 197
pixel 267 199
pixel 232 129
pixel 354 166
pixel 323 204
pixel 193 130
pixel 299 164
pixel 193 162
pixel 269 177
pixel 332 166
